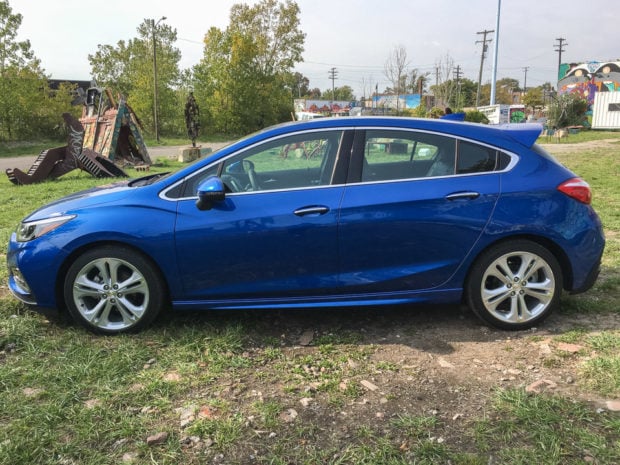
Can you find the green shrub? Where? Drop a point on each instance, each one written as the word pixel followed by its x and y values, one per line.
pixel 476 116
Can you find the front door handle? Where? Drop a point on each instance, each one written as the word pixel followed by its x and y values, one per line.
pixel 468 195
pixel 315 210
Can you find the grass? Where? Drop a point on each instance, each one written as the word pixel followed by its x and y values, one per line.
pixel 23 148
pixel 16 149
pixel 582 136
pixel 527 429
pixel 67 397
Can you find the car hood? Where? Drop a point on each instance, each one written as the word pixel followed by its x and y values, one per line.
pixel 108 193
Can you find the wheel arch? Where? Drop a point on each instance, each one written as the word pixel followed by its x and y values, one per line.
pixel 62 271
pixel 552 247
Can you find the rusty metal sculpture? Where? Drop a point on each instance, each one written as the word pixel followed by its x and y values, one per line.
pixel 105 136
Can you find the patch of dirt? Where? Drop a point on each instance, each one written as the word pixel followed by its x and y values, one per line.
pixel 437 362
pixel 444 358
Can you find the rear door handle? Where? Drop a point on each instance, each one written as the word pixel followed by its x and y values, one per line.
pixel 468 195
pixel 315 210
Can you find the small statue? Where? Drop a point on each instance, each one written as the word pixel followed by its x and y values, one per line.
pixel 191 118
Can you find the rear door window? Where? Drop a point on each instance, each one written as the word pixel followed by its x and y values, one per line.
pixel 392 155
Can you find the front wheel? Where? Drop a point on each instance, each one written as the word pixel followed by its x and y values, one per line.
pixel 514 285
pixel 112 289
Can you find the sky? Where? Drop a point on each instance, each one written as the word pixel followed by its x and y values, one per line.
pixel 354 36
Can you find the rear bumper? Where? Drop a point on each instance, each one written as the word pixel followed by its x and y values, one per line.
pixel 589 280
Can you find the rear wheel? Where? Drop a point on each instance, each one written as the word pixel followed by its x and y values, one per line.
pixel 515 285
pixel 113 290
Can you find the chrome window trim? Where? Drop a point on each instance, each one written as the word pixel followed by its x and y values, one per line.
pixel 514 159
pixel 291 189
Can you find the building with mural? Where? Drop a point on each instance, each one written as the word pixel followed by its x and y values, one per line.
pixel 323 107
pixel 588 78
pixel 402 101
pixel 592 79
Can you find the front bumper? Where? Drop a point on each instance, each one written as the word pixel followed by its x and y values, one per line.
pixel 32 271
pixel 19 286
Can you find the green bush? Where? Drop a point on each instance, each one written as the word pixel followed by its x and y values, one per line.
pixel 568 110
pixel 436 112
pixel 476 116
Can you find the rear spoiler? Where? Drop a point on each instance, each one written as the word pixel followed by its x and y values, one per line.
pixel 524 133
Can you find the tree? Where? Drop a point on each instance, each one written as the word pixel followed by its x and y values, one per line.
pixel 456 95
pixel 416 83
pixel 340 93
pixel 444 88
pixel 244 78
pixel 567 110
pixel 368 87
pixel 314 94
pixel 13 53
pixel 394 70
pixel 503 91
pixel 127 68
pixel 300 85
pixel 467 93
pixel 23 85
pixel 534 98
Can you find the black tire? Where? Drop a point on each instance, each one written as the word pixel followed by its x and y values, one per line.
pixel 514 285
pixel 113 290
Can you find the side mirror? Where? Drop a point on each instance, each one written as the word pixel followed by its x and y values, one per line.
pixel 210 190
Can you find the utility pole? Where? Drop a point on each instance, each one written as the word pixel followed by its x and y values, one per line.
pixel 482 57
pixel 525 79
pixel 333 75
pixel 457 75
pixel 559 47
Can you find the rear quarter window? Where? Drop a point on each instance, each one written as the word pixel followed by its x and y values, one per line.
pixel 473 158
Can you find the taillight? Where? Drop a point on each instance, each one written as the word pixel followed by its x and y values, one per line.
pixel 577 189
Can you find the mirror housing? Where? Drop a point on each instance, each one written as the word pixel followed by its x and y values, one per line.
pixel 210 191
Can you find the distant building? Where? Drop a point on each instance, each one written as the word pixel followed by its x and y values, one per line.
pixel 323 107
pixel 402 102
pixel 598 82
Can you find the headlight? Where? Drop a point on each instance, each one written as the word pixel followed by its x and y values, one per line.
pixel 30 230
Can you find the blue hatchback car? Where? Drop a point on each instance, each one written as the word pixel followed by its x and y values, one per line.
pixel 324 213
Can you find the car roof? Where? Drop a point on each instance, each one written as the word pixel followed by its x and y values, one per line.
pixel 524 134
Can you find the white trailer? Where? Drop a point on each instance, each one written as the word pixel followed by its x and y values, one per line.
pixel 501 113
pixel 606 110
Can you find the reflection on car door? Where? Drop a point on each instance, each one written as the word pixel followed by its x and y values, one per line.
pixel 411 234
pixel 277 236
pixel 266 244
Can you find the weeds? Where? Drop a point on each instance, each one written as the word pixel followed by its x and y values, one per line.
pixel 67 397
